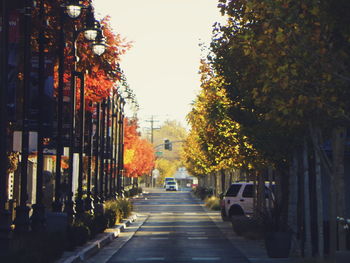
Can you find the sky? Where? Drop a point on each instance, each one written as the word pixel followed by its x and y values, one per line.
pixel 162 66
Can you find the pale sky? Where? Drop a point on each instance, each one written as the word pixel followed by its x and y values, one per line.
pixel 162 67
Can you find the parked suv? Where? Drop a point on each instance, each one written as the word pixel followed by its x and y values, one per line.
pixel 238 200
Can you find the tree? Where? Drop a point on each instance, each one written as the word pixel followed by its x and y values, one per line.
pixel 166 168
pixel 138 154
pixel 282 61
pixel 175 133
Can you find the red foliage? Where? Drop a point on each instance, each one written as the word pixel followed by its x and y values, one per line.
pixel 101 72
pixel 139 154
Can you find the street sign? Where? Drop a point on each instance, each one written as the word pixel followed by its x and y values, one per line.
pixel 159 154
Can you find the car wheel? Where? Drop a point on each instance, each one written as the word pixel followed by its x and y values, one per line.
pixel 236 211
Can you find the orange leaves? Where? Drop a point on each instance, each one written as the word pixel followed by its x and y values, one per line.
pixel 138 153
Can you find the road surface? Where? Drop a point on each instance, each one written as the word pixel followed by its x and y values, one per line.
pixel 177 229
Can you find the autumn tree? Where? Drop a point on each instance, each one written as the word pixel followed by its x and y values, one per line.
pixel 174 132
pixel 138 154
pixel 285 62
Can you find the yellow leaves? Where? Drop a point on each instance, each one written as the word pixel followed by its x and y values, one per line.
pixel 129 156
pixel 315 10
pixel 327 76
pixel 333 99
pixel 302 99
pixel 247 51
pixel 280 36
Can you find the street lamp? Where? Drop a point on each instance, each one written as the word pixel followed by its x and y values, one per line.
pixel 90 33
pixel 73 8
pixel 22 222
pixel 5 216
pixel 92 27
pixel 99 45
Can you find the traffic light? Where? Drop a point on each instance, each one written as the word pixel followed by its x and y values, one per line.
pixel 166 144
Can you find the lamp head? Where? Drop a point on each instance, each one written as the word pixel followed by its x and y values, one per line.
pixel 73 8
pixel 99 45
pixel 92 27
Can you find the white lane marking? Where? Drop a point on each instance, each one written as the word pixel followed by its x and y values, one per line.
pixel 190 213
pixel 197 237
pixel 195 233
pixel 150 259
pixel 206 259
pixel 167 213
pixel 159 238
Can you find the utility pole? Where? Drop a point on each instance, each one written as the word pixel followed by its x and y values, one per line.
pixel 152 121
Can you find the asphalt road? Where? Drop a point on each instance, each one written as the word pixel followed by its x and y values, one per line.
pixel 177 230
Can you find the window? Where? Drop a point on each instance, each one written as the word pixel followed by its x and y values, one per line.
pixel 248 191
pixel 171 183
pixel 233 190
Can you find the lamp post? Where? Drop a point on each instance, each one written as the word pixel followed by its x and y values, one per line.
pixel 102 150
pixel 98 207
pixel 5 218
pixel 108 157
pixel 89 200
pixel 22 223
pixel 73 9
pixel 121 147
pixel 57 204
pixel 112 147
pixel 38 218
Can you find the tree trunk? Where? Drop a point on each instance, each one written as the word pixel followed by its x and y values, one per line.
pixel 230 178
pixel 270 176
pixel 223 180
pixel 319 197
pixel 261 192
pixel 307 229
pixel 255 194
pixel 278 187
pixel 214 176
pixel 293 202
pixel 338 147
pixel 325 162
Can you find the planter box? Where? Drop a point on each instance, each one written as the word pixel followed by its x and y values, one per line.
pixel 278 244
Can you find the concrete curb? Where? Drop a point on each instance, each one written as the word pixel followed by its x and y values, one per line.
pixel 81 254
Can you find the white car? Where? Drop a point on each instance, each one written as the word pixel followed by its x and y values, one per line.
pixel 238 200
pixel 168 179
pixel 171 186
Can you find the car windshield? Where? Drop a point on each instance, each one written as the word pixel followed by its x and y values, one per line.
pixel 171 182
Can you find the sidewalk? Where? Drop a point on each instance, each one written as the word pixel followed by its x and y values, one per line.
pixel 92 247
pixel 254 250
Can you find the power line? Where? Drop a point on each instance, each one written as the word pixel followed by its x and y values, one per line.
pixel 152 121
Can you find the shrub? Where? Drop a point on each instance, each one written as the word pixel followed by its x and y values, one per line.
pixel 213 203
pixel 100 223
pixel 77 235
pixel 125 207
pixel 112 212
pixel 134 191
pixel 202 192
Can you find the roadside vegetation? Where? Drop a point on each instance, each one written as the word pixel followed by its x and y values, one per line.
pixel 45 247
pixel 273 106
pixel 213 203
